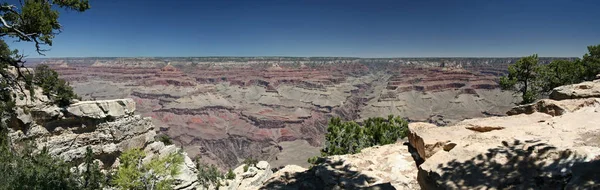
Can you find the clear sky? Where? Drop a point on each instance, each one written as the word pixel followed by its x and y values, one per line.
pixel 357 28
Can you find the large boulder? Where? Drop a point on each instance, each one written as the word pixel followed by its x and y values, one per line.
pixel 538 149
pixel 428 139
pixel 384 167
pixel 553 107
pixel 588 89
pixel 102 109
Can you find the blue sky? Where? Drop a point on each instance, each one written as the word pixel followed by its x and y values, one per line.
pixel 373 28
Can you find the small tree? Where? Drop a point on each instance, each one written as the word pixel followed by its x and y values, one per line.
pixel 34 21
pixel 157 174
pixel 523 78
pixel 591 62
pixel 93 178
pixel 58 90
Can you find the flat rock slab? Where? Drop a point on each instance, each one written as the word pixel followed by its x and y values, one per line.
pixel 385 167
pixel 588 89
pixel 525 151
pixel 102 109
pixel 429 139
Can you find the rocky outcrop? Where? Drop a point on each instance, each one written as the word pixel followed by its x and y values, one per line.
pixel 253 178
pixel 428 139
pixel 102 109
pixel 589 89
pixel 544 145
pixel 385 167
pixel 187 177
pixel 108 127
pixel 553 107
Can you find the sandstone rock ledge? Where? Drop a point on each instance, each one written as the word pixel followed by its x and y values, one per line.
pixel 381 167
pixel 550 144
pixel 109 127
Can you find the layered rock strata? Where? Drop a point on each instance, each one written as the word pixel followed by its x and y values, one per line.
pixel 109 127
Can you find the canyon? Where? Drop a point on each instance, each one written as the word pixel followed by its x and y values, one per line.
pixel 226 109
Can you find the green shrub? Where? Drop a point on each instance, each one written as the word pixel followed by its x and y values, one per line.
pixel 58 90
pixel 350 138
pixel 250 161
pixel 93 178
pixel 313 160
pixel 28 170
pixel 591 62
pixel 158 173
pixel 164 139
pixel 230 174
pixel 208 174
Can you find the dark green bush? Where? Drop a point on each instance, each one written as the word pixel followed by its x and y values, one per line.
pixel 58 90
pixel 250 161
pixel 230 174
pixel 165 139
pixel 28 170
pixel 349 137
pixel 208 174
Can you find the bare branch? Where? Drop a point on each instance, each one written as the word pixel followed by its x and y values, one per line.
pixel 22 35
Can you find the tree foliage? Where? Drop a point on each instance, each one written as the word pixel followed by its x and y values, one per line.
pixel 208 174
pixel 33 21
pixel 164 138
pixel 531 79
pixel 156 174
pixel 28 170
pixel 349 137
pixel 523 77
pixel 591 62
pixel 92 177
pixel 58 90
pixel 230 174
pixel 561 72
pixel 249 162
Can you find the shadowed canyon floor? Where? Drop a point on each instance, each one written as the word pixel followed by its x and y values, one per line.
pixel 276 109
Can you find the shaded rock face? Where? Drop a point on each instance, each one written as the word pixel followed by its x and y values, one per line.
pixel 384 167
pixel 545 145
pixel 589 89
pixel 228 109
pixel 109 127
pixel 253 178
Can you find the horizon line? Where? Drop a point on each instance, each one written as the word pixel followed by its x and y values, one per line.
pixel 418 57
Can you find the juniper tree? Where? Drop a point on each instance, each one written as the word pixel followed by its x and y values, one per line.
pixel 523 77
pixel 30 21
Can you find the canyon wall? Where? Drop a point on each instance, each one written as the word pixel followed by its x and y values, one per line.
pixel 226 109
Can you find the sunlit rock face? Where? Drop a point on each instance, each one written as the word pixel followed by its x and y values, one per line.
pixel 276 109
